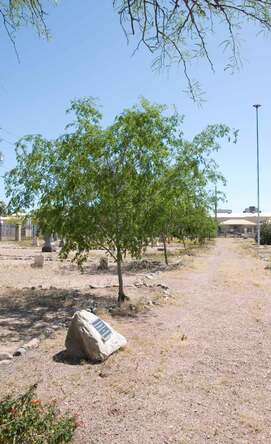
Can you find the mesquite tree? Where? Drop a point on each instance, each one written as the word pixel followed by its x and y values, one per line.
pixel 174 31
pixel 114 188
pixel 95 186
pixel 181 31
pixel 182 203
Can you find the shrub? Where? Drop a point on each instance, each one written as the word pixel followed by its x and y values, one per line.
pixel 265 234
pixel 25 419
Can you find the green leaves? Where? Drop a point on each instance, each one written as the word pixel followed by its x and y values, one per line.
pixel 116 188
pixel 25 419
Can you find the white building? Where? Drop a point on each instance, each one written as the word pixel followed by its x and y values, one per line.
pixel 240 223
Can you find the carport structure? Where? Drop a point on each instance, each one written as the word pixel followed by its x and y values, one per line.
pixel 238 227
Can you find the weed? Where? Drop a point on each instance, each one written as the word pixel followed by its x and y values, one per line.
pixel 25 419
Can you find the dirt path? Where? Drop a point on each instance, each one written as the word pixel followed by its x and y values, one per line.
pixel 195 371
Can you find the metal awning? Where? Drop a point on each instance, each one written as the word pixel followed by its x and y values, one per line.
pixel 242 222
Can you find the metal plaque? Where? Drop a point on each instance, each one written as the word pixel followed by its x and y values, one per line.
pixel 102 329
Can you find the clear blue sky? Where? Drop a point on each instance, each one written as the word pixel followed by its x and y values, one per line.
pixel 88 55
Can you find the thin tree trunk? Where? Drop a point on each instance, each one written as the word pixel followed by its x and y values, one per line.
pixel 121 297
pixel 165 248
pixel 184 245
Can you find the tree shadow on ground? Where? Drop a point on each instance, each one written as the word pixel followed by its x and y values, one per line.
pixel 131 267
pixel 89 269
pixel 28 313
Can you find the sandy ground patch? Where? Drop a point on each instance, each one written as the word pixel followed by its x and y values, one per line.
pixel 196 369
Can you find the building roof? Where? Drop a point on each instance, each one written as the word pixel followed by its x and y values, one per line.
pixel 243 215
pixel 238 222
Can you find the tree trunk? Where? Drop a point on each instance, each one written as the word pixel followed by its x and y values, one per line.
pixel 121 297
pixel 184 245
pixel 165 248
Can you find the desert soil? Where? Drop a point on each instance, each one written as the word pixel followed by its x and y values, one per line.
pixel 196 368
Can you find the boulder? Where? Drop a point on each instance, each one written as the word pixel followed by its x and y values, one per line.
pixel 38 261
pixel 91 338
pixel 47 246
pixel 103 264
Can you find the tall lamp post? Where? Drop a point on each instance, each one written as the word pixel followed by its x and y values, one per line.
pixel 258 175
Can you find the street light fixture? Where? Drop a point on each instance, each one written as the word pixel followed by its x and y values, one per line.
pixel 258 175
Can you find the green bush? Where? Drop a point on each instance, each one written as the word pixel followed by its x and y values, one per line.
pixel 265 234
pixel 25 420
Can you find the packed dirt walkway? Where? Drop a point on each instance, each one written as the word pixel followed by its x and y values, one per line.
pixel 195 371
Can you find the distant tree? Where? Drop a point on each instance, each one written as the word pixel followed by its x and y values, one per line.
pixel 183 202
pixel 3 208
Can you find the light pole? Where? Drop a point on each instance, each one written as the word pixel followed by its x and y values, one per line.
pixel 216 203
pixel 258 175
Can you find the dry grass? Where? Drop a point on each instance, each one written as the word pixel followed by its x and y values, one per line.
pixel 196 368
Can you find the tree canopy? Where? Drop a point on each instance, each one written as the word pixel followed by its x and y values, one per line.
pixel 174 31
pixel 115 188
pixel 17 13
pixel 180 31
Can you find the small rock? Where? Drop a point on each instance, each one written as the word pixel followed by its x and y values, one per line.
pixel 48 331
pixel 19 352
pixel 34 343
pixel 103 374
pixel 164 287
pixel 138 284
pixel 5 362
pixel 38 261
pixel 5 356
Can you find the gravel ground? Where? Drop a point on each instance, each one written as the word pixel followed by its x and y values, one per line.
pixel 195 370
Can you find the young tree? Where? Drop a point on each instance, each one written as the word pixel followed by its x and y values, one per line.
pixel 95 186
pixel 182 203
pixel 114 188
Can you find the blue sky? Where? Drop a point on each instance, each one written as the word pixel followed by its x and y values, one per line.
pixel 88 56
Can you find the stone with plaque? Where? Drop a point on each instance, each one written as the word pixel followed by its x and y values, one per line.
pixel 91 338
